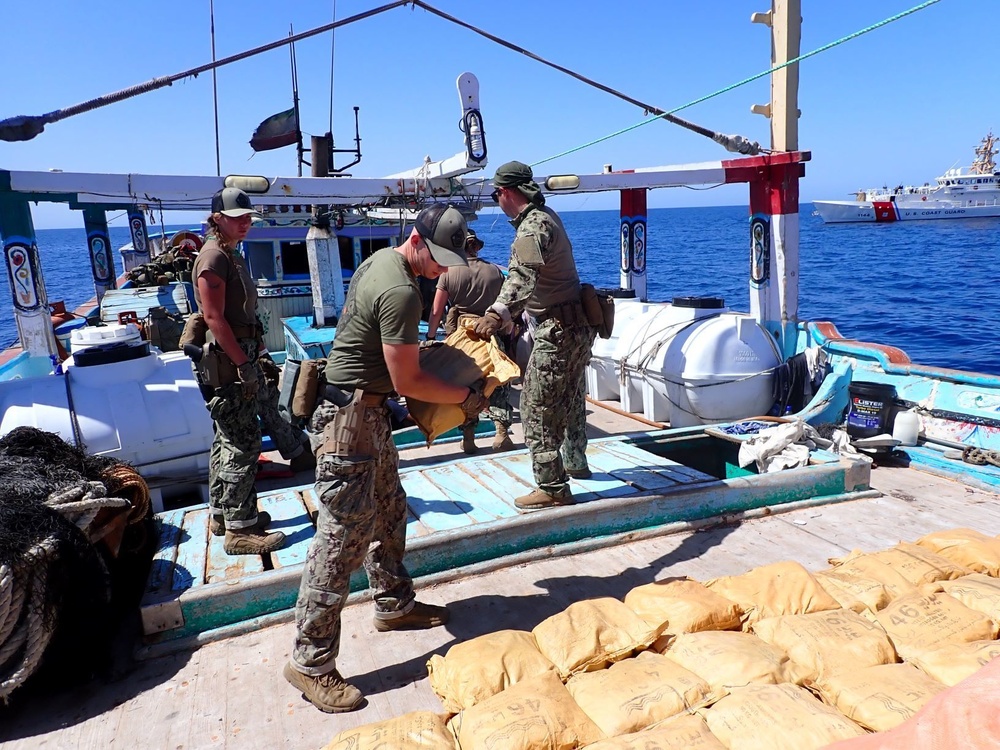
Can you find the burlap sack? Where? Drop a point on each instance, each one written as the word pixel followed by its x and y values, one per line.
pixel 917 624
pixel 420 730
pixel 535 714
pixel 478 669
pixel 827 643
pixel 784 588
pixel 591 634
pixel 880 697
pixel 685 732
pixel 970 549
pixel 955 662
pixel 977 591
pixel 682 606
pixel 777 717
pixel 915 564
pixel 858 593
pixel 636 693
pixel 462 360
pixel 726 659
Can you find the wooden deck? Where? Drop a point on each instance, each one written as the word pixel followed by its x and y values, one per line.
pixel 231 694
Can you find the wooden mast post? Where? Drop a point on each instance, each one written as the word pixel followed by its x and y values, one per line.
pixel 24 272
pixel 774 198
pixel 139 255
pixel 102 262
pixel 633 241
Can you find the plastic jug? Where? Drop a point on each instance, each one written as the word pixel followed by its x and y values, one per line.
pixel 906 427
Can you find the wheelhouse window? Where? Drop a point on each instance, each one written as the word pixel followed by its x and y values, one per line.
pixel 294 260
pixel 260 259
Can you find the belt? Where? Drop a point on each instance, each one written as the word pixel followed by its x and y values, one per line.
pixel 244 332
pixel 343 396
pixel 374 399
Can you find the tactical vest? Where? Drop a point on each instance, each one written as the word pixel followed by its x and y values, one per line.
pixel 558 281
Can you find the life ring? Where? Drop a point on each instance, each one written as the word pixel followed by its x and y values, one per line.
pixel 186 241
pixel 924 198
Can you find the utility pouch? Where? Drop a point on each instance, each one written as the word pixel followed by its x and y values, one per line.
pixel 195 331
pixel 599 309
pixel 286 395
pixel 306 388
pixel 346 434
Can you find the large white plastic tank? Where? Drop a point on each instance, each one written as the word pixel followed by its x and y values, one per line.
pixel 718 370
pixel 603 370
pixel 147 411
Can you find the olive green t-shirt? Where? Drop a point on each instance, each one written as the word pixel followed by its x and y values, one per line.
pixel 383 307
pixel 241 293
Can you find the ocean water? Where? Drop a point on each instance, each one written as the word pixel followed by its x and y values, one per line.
pixel 929 288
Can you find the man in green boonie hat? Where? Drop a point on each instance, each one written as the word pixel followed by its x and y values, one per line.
pixel 543 283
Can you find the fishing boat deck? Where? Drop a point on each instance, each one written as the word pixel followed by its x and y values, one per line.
pixel 231 694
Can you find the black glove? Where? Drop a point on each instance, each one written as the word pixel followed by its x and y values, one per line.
pixel 475 402
pixel 487 325
pixel 249 381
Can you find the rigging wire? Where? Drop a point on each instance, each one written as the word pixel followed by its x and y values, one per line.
pixel 333 51
pixel 745 81
pixel 215 88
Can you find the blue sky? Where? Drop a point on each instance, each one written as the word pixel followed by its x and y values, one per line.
pixel 899 105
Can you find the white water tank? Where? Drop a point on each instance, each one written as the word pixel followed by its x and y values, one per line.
pixel 602 372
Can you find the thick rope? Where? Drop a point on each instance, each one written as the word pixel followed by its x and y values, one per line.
pixel 745 81
pixel 124 481
pixel 34 634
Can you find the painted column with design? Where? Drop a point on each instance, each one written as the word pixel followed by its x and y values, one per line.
pixel 102 262
pixel 24 273
pixel 139 254
pixel 633 241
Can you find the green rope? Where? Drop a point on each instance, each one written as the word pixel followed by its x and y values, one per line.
pixel 745 81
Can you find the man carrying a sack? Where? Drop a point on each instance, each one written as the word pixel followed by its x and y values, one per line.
pixel 362 504
pixel 542 281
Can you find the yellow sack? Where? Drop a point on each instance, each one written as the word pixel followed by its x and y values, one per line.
pixel 685 732
pixel 478 669
pixel 915 564
pixel 637 693
pixel 965 547
pixel 726 659
pixel 591 634
pixel 881 697
pixel 535 714
pixel 777 717
pixel 855 592
pixel 462 360
pixel 420 730
pixel 976 591
pixel 827 643
pixel 682 606
pixel 917 624
pixel 953 663
pixel 784 588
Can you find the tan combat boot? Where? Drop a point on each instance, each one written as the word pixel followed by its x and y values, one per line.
pixel 539 498
pixel 469 440
pixel 502 441
pixel 584 473
pixel 218 524
pixel 420 617
pixel 252 540
pixel 328 692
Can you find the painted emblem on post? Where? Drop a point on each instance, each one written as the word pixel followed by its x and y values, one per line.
pixel 626 236
pixel 99 257
pixel 138 229
pixel 639 246
pixel 21 270
pixel 760 250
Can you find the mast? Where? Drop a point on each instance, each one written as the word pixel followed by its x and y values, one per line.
pixel 984 163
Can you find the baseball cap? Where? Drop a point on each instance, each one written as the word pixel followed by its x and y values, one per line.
pixel 233 202
pixel 443 228
pixel 472 236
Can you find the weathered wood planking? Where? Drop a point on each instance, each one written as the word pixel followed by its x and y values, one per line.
pixel 192 551
pixel 505 485
pixel 432 505
pixel 289 516
pixel 457 482
pixel 221 567
pixel 168 530
pixel 644 458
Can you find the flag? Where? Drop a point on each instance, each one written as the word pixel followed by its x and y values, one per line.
pixel 276 131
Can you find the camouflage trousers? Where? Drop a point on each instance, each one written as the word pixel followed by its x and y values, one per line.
pixel 553 403
pixel 362 520
pixel 232 467
pixel 499 410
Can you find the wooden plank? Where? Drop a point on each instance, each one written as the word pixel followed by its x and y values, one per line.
pixel 600 485
pixel 288 515
pixel 646 458
pixel 458 482
pixel 168 530
pixel 506 485
pixel 431 505
pixel 414 528
pixel 627 471
pixel 310 502
pixel 221 567
pixel 189 570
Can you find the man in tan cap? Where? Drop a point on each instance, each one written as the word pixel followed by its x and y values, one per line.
pixel 542 281
pixel 470 290
pixel 362 504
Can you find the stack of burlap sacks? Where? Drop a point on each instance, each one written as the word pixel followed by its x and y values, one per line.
pixel 775 658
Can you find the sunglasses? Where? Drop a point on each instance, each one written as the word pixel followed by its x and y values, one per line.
pixel 495 195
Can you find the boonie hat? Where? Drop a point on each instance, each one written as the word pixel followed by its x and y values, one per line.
pixel 443 228
pixel 234 203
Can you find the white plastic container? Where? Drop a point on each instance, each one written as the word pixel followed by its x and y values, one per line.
pixel 906 427
pixel 603 371
pixel 89 337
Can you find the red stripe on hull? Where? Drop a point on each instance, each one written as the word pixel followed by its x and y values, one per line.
pixel 885 211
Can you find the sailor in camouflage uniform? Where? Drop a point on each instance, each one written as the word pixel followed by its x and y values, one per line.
pixel 362 505
pixel 542 281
